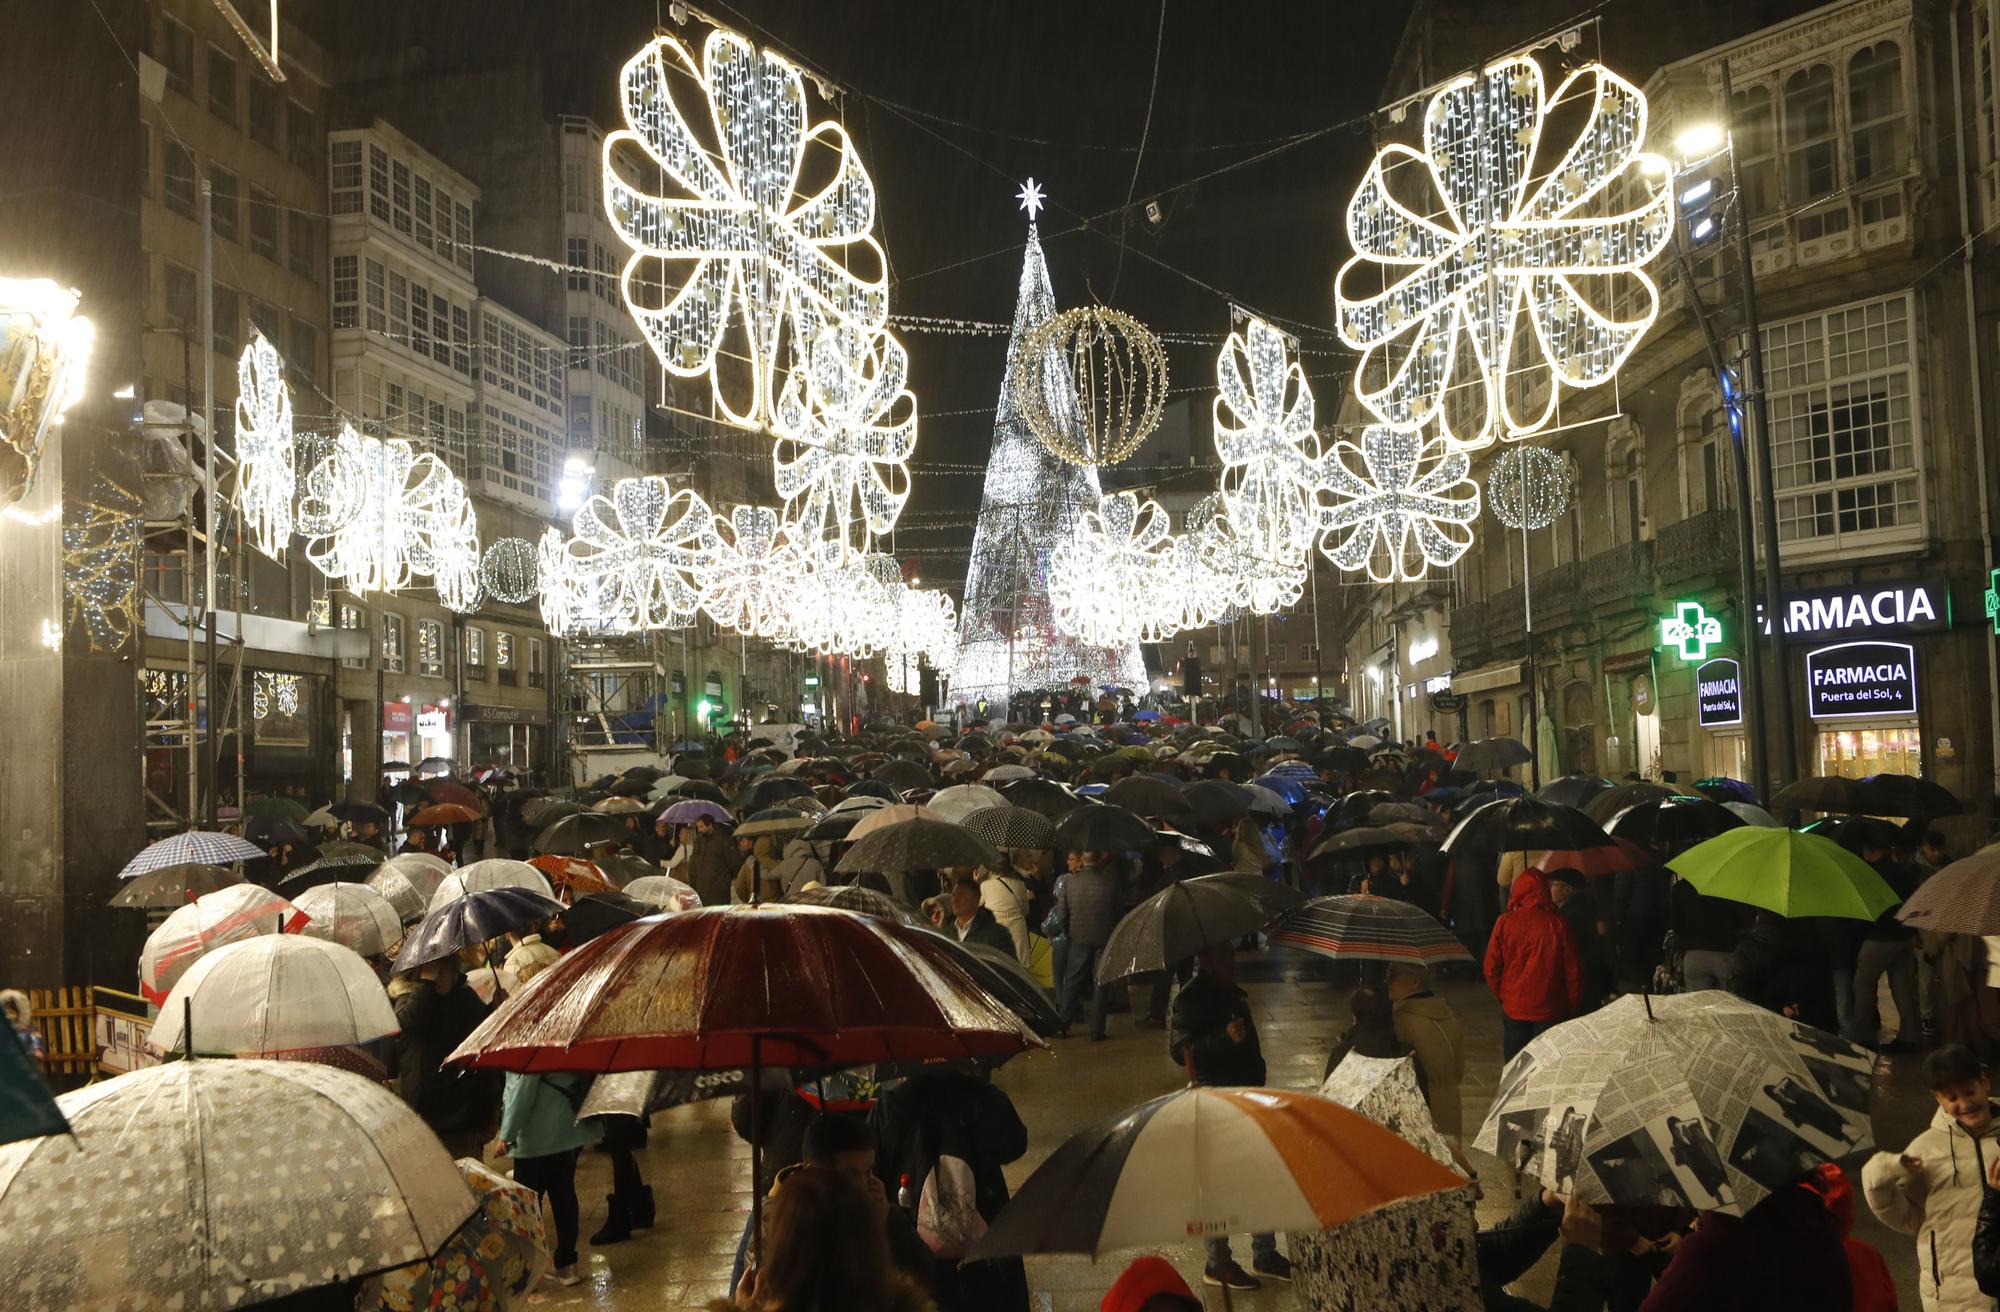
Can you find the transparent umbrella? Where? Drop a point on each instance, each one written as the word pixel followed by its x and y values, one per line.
pixel 228 915
pixel 495 872
pixel 278 993
pixel 352 915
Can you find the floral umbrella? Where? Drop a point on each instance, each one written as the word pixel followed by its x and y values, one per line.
pixel 490 1265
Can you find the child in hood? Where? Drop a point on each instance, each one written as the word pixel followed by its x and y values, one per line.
pixel 1934 1187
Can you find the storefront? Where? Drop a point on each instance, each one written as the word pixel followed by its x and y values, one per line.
pixel 1860 673
pixel 399 726
pixel 512 736
pixel 1718 694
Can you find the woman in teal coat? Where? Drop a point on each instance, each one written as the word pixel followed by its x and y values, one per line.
pixel 539 1129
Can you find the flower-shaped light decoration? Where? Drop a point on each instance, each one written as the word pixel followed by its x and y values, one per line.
pixel 1099 578
pixel 754 568
pixel 1404 503
pixel 566 605
pixel 846 425
pixel 376 513
pixel 927 631
pixel 1487 274
pixel 737 253
pixel 1252 573
pixel 1274 471
pixel 266 480
pixel 1186 593
pixel 1530 487
pixel 638 560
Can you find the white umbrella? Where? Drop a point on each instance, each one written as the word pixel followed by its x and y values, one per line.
pixel 228 915
pixel 1753 814
pixel 279 993
pixel 960 801
pixel 664 786
pixel 663 891
pixel 408 888
pixel 881 817
pixel 859 802
pixel 1005 774
pixel 495 872
pixel 352 915
pixel 323 818
pixel 217 1184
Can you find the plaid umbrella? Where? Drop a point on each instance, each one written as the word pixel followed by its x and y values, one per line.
pixel 1011 826
pixel 195 847
pixel 1358 927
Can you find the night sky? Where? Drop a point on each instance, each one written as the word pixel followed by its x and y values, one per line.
pixel 953 103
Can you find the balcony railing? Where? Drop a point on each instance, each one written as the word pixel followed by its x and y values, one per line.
pixel 1702 544
pixel 1623 573
pixel 1470 640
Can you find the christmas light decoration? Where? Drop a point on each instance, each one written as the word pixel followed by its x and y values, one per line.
pixel 638 558
pixel 1185 591
pixel 738 251
pixel 1274 470
pixel 1251 563
pixel 1099 579
pixel 927 634
pixel 753 567
pixel 266 479
pixel 509 571
pixel 1529 487
pixel 565 605
pixel 845 426
pixel 100 565
pixel 1478 285
pixel 1405 504
pixel 45 348
pixel 274 693
pixel 1107 396
pixel 375 513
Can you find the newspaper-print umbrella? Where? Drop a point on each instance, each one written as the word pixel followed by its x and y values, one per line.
pixel 352 915
pixel 1696 1100
pixel 1361 927
pixel 1011 826
pixel 272 994
pixel 491 1263
pixel 780 821
pixel 1188 916
pixel 1785 871
pixel 173 886
pixel 1962 898
pixel 494 872
pixel 1210 1161
pixel 196 846
pixel 228 915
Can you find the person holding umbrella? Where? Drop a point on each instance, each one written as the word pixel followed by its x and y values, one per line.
pixel 712 862
pixel 1532 964
pixel 436 1010
pixel 539 1130
pixel 1213 1037
pixel 1087 908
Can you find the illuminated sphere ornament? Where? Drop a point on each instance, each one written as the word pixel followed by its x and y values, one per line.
pixel 846 425
pixel 1111 396
pixel 266 480
pixel 45 350
pixel 766 233
pixel 1529 487
pixel 1402 504
pixel 1491 269
pixel 509 571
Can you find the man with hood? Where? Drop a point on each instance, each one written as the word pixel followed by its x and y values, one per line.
pixel 1532 964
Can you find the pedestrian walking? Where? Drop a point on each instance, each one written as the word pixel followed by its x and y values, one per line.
pixel 1888 950
pixel 1086 910
pixel 712 863
pixel 1933 1189
pixel 435 1010
pixel 1532 964
pixel 1578 906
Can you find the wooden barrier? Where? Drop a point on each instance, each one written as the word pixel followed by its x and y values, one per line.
pixel 65 1019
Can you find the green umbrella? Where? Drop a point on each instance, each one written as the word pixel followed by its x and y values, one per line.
pixel 1782 870
pixel 275 808
pixel 26 1109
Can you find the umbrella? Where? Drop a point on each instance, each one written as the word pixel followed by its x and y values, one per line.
pixel 214 1184
pixel 903 775
pixel 622 868
pixel 1188 916
pixel 778 820
pixel 352 915
pixel 961 800
pixel 1210 1161
pixel 539 811
pixel 227 915
pixel 1720 788
pixel 441 764
pixel 172 886
pixel 1011 826
pixel 1007 774
pixel 1492 754
pixel 664 892
pixel 490 1264
pixel 494 872
pixel 1613 800
pixel 1148 795
pixel 273 808
pixel 324 818
pixel 686 813
pixel 1732 1103
pixel 1752 814
pixel 1364 841
pixel 360 813
pixel 1104 829
pixel 195 847
pixel 1218 801
pixel 1350 759
pixel 771 792
pixel 572 874
pixel 1831 793
pixel 472 919
pixel 835 826
pixel 1415 813
pixel 1783 870
pixel 881 817
pixel 922 843
pixel 274 994
pixel 1672 822
pixel 1008 980
pixel 27 1111
pixel 574 834
pixel 1573 789
pixel 1962 898
pixel 272 834
pixel 1359 927
pixel 409 881
pixel 1289 787
pixel 1619 854
pixel 331 866
pixel 452 792
pixel 441 813
pixel 1524 824
pixel 599 913
pixel 622 805
pixel 1909 796
pixel 874 788
pixel 861 901
pixel 1042 795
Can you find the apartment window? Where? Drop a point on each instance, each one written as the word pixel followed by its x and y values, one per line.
pixel 399 195
pixel 392 642
pixel 222 197
pixel 1705 451
pixel 302 245
pixel 537 674
pixel 352 618
pixel 222 86
pixel 1843 432
pixel 430 649
pixel 461 217
pixel 305 349
pixel 177 178
pixel 423 211
pixel 399 307
pixel 346 177
pixel 1989 109
pixel 578 186
pixel 264 223
pixel 461 341
pixel 270 321
pixel 378 298
pixel 475 653
pixel 441 329
pixel 228 316
pixel 177 54
pixel 1756 141
pixel 1812 147
pixel 145 159
pixel 263 99
pixel 441 221
pixel 179 285
pixel 299 137
pixel 503 658
pixel 577 252
pixel 420 319
pixel 346 290
pixel 1278 654
pixel 1875 111
pixel 378 183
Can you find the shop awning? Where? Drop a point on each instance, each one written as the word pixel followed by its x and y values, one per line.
pixel 1487 677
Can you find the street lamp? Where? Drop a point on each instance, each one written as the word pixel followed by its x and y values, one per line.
pixel 1698 141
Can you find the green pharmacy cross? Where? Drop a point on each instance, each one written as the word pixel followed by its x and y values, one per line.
pixel 1993 599
pixel 1691 630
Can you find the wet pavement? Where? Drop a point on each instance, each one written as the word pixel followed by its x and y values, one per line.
pixel 699 1170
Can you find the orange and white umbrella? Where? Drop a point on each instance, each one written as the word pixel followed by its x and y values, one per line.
pixel 228 915
pixel 1206 1162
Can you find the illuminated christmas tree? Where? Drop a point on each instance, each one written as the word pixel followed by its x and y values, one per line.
pixel 1008 639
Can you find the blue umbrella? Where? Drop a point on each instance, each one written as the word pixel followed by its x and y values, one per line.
pixel 1284 785
pixel 1145 716
pixel 1091 790
pixel 472 919
pixel 195 847
pixel 1723 789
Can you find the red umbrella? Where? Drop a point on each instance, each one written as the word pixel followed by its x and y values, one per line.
pixel 1623 854
pixel 452 792
pixel 441 813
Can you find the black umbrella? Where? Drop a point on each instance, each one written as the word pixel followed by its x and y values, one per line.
pixel 903 775
pixel 1855 832
pixel 1525 824
pixel 697 790
pixel 1362 842
pixel 574 834
pixel 1574 789
pixel 873 788
pixel 861 901
pixel 1351 759
pixel 1008 980
pixel 622 867
pixel 540 811
pixel 1150 795
pixel 769 791
pixel 1043 795
pixel 331 867
pixel 1830 793
pixel 919 844
pixel 360 813
pixel 1218 801
pixel 1672 821
pixel 271 834
pixel 647 772
pixel 834 826
pixel 1011 826
pixel 630 787
pixel 473 919
pixel 1104 829
pixel 1186 917
pixel 1613 800
pixel 1906 795
pixel 1493 754
pixel 600 913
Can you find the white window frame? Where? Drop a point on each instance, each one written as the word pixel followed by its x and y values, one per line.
pixel 393 647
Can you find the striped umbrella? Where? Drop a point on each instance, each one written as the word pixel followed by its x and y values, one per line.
pixel 1360 927
pixel 1011 826
pixel 1962 898
pixel 1211 1161
pixel 196 846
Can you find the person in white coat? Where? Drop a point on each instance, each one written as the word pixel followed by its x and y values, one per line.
pixel 1006 896
pixel 1933 1188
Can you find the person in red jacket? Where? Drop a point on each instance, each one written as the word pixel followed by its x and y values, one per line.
pixel 1874 1288
pixel 1532 964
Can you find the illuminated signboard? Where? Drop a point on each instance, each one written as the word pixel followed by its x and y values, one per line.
pixel 1718 688
pixel 1853 679
pixel 1858 610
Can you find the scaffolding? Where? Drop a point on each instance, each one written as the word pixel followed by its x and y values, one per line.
pixel 618 708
